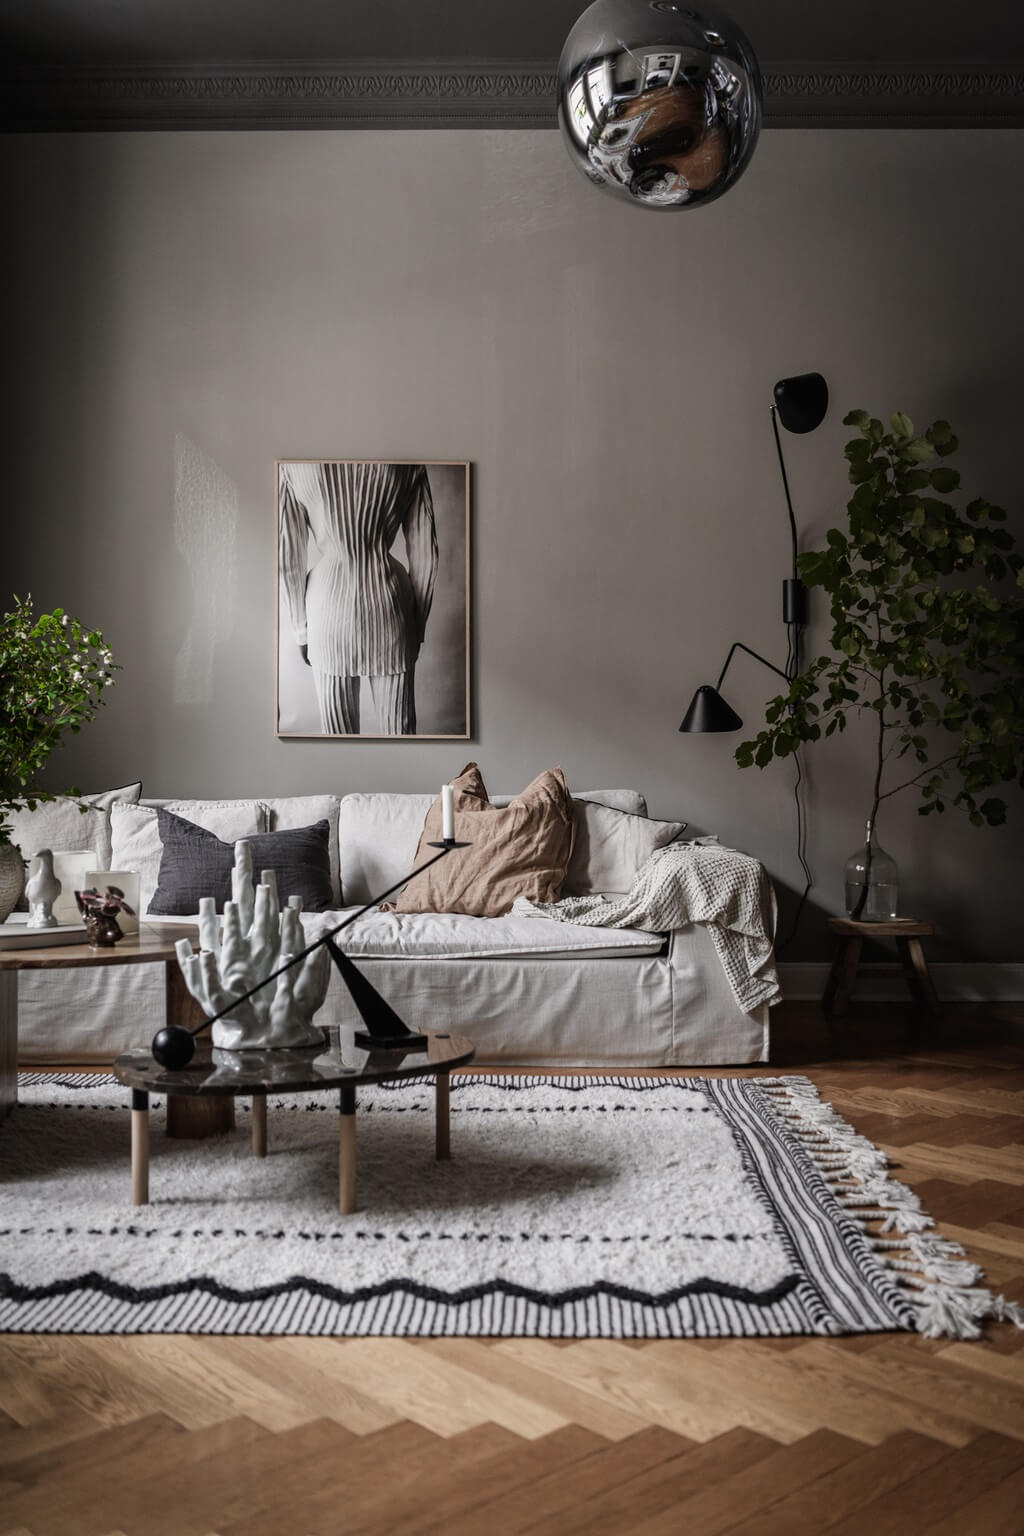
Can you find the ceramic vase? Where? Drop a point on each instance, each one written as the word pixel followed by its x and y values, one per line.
pixel 12 879
pixel 257 936
pixel 104 931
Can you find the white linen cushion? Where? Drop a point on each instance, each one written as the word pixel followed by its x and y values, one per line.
pixel 60 825
pixel 135 833
pixel 455 936
pixel 286 812
pixel 378 835
pixel 611 846
pixel 377 840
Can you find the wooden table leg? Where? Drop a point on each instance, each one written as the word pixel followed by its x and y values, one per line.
pixel 8 1042
pixel 347 1150
pixel 909 972
pixel 190 1117
pixel 916 966
pixel 140 1147
pixel 841 978
pixel 442 1118
pixel 259 1125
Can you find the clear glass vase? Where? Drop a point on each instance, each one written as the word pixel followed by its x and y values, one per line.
pixel 872 882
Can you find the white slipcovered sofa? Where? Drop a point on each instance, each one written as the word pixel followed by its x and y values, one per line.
pixel 525 991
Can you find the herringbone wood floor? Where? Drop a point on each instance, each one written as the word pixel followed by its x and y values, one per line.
pixel 176 1436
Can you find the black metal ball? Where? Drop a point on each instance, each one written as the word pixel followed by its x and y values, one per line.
pixel 173 1047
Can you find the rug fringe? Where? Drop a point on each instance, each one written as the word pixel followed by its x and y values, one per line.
pixel 938 1279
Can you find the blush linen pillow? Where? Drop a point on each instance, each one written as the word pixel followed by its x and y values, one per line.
pixel 522 849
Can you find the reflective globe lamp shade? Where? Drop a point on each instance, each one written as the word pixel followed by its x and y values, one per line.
pixel 708 711
pixel 659 103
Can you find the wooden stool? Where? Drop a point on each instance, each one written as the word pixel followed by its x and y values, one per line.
pixel 908 935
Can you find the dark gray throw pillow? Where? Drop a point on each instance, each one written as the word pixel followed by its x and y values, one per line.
pixel 197 863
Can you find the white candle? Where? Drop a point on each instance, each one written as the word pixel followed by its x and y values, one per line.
pixel 447 813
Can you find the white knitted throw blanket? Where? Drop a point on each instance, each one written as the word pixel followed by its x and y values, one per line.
pixel 693 883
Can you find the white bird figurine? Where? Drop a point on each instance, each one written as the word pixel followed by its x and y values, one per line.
pixel 42 891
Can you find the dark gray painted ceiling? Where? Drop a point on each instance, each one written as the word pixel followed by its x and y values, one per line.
pixel 104 32
pixel 333 63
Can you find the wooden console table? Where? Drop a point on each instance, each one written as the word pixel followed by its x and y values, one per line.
pixel 151 946
pixel 851 934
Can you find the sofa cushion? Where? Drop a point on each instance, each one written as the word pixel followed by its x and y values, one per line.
pixel 456 936
pixel 288 811
pixel 60 824
pixel 611 846
pixel 135 834
pixel 196 863
pixel 521 850
pixel 378 835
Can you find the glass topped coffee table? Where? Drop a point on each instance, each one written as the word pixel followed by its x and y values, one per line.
pixel 335 1064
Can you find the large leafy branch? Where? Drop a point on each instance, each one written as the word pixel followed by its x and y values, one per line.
pixel 53 673
pixel 927 631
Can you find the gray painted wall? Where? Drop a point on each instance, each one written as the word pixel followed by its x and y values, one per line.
pixel 221 300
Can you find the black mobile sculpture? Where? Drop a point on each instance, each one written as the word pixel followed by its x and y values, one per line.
pixel 174 1046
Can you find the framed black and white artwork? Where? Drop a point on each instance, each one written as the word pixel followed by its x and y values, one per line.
pixel 372 598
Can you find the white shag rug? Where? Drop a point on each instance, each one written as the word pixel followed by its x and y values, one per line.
pixel 575 1207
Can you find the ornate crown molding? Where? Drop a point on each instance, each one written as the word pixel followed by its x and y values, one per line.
pixel 425 95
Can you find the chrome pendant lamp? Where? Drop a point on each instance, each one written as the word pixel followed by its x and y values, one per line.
pixel 659 103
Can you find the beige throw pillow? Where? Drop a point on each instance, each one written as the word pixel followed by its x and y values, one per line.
pixel 520 850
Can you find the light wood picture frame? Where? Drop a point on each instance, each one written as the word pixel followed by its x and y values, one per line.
pixel 373 599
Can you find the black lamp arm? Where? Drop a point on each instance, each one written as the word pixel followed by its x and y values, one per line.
pixel 785 486
pixel 738 645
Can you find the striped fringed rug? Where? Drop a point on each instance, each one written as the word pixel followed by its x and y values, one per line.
pixel 611 1207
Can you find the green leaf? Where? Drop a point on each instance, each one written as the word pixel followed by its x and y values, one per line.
pixel 940 434
pixel 945 479
pixel 856 419
pixel 902 425
pixel 918 452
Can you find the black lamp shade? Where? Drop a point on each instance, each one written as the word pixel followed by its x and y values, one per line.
pixel 801 401
pixel 708 711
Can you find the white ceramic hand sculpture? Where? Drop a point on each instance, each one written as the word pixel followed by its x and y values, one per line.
pixel 256 938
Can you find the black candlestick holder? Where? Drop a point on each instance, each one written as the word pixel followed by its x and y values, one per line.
pixel 174 1046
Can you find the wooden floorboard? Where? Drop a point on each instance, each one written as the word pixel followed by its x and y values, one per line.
pixel 193 1436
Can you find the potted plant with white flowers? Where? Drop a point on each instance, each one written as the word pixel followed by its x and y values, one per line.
pixel 53 675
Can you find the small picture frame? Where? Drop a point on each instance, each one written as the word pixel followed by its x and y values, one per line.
pixel 123 885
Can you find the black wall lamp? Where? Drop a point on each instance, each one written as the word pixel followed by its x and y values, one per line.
pixel 800 404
